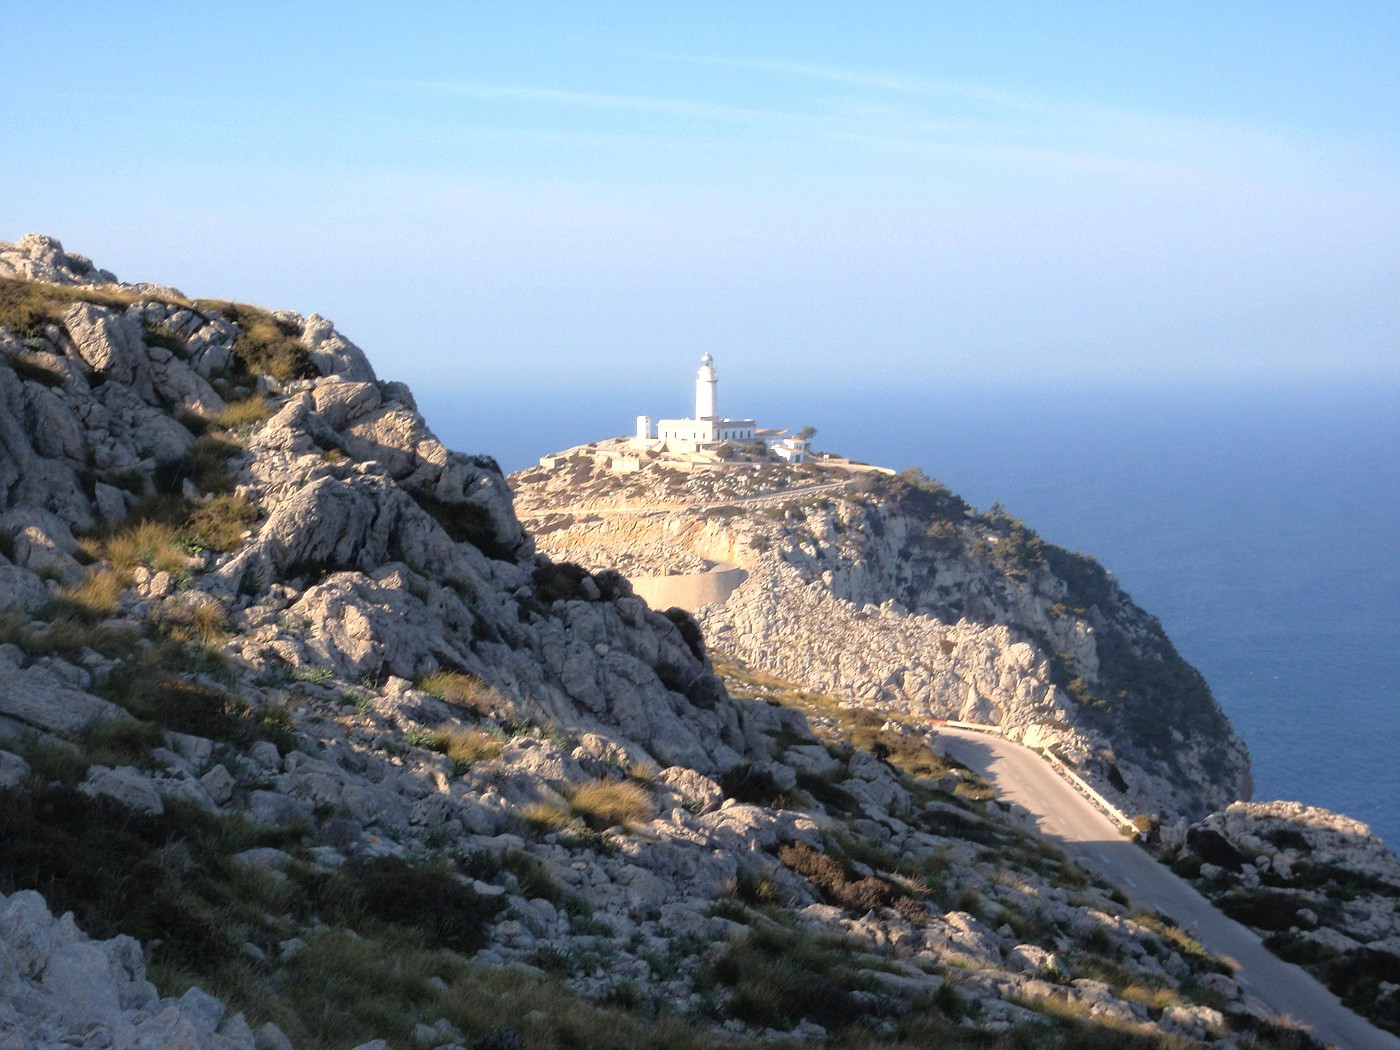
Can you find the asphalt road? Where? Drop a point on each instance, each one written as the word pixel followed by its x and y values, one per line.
pixel 1068 819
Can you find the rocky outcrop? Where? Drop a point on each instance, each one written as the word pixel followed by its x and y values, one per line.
pixel 302 670
pixel 894 592
pixel 59 989
pixel 1318 886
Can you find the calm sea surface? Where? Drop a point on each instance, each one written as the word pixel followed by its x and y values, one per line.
pixel 1262 529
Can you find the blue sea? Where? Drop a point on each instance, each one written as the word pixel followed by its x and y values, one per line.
pixel 1261 527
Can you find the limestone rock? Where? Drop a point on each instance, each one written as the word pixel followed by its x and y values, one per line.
pixel 126 786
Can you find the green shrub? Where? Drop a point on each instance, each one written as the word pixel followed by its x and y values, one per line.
pixel 119 742
pixel 35 369
pixel 782 976
pixel 466 523
pixel 435 902
pixel 690 630
pixel 209 458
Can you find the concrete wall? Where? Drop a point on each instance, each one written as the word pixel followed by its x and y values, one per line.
pixel 691 591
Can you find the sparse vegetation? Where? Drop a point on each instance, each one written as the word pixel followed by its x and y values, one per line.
pixel 465 747
pixel 466 691
pixel 266 344
pixel 244 413
pixel 606 803
pixel 149 545
pixel 220 523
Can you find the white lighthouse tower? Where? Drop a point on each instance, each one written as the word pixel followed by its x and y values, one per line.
pixel 706 390
pixel 708 428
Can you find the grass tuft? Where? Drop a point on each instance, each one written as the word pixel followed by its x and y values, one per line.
pixel 248 412
pixel 608 803
pixel 219 524
pixel 465 747
pixel 467 691
pixel 149 544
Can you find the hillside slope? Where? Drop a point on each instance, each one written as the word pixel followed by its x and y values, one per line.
pixel 892 589
pixel 288 696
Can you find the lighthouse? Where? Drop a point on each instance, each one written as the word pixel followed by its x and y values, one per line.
pixel 706 390
pixel 707 427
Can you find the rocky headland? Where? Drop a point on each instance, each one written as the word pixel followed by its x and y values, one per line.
pixel 893 591
pixel 304 743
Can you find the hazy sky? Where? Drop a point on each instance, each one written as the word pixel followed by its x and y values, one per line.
pixel 480 192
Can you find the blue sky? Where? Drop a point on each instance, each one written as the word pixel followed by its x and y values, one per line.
pixel 1033 193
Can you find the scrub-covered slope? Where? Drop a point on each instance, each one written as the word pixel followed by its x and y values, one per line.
pixel 287 696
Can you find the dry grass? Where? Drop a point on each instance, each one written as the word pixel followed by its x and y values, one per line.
pixel 220 523
pixel 67 636
pixel 465 747
pixel 607 803
pixel 264 344
pixel 247 412
pixel 97 596
pixel 27 306
pixel 466 691
pixel 547 816
pixel 148 544
pixel 189 621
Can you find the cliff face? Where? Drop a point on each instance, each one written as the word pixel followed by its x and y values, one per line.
pixel 893 591
pixel 288 695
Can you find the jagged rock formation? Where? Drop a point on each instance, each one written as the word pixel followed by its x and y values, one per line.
pixel 895 592
pixel 58 988
pixel 287 693
pixel 1318 886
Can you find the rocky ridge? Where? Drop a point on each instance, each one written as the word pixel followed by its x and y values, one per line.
pixel 897 593
pixel 289 696
pixel 1318 886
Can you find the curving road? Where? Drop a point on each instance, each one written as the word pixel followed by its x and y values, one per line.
pixel 1072 823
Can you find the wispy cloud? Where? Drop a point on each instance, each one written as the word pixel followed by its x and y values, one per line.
pixel 877 81
pixel 596 100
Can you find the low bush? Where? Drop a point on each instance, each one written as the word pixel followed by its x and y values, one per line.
pixel 752 784
pixel 163 336
pixel 842 887
pixel 781 976
pixel 1265 910
pixel 435 902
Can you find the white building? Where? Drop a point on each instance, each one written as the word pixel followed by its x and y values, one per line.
pixel 707 427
